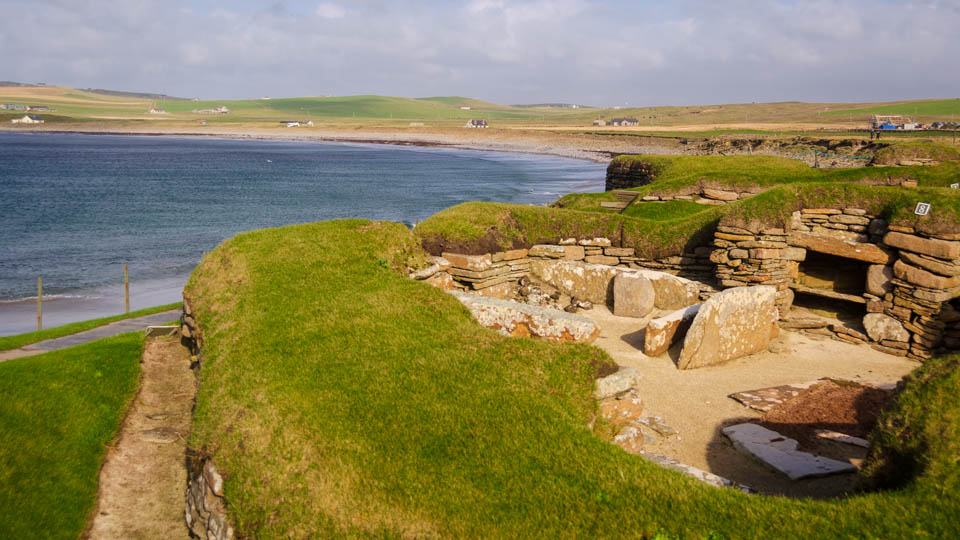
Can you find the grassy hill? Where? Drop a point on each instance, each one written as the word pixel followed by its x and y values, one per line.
pixel 445 111
pixel 341 399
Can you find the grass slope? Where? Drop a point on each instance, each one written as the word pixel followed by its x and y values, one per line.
pixel 59 412
pixel 15 342
pixel 340 398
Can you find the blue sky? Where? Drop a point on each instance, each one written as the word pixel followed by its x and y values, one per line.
pixel 580 51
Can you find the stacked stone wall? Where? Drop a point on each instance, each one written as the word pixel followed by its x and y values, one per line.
pixel 498 274
pixel 910 280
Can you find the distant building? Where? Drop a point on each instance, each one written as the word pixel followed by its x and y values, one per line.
pixel 13 107
pixel 38 108
pixel 290 123
pixel 28 119
pixel 464 107
pixel 474 123
pixel 219 110
pixel 599 122
pixel 624 122
pixel 158 111
pixel 416 124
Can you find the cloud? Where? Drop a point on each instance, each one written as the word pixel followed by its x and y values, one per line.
pixel 330 11
pixel 583 51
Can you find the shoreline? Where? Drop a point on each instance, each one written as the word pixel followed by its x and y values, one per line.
pixel 508 141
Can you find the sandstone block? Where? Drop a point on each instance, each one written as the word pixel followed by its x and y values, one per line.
pixel 794 254
pixel 442 280
pixel 738 253
pixel 516 319
pixel 598 242
pixel 879 279
pixel 633 295
pixel 469 262
pixel 619 252
pixel 761 253
pixel 923 278
pixel 663 332
pixel 936 266
pixel 548 250
pixel 591 282
pixel 827 211
pixel 672 292
pixel 624 380
pixel 883 327
pixel 732 323
pixel 510 255
pixel 849 219
pixel 851 250
pixel 733 237
pixel 720 195
pixel 425 272
pixel 942 249
pixel 601 259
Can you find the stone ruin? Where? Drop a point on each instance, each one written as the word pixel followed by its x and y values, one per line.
pixel 903 284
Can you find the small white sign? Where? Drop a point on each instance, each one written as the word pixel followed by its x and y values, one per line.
pixel 955 186
pixel 922 209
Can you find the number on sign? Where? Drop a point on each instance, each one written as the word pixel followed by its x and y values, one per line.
pixel 922 209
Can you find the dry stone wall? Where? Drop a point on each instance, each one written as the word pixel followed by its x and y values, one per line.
pixel 910 277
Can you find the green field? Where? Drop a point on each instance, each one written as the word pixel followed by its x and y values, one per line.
pixel 925 110
pixel 59 412
pixel 341 399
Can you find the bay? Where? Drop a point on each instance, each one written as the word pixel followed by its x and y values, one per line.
pixel 75 208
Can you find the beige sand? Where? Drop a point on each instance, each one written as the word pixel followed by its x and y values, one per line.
pixel 695 402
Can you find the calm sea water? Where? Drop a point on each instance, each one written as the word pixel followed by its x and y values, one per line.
pixel 75 208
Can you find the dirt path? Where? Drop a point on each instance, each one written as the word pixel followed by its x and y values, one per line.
pixel 695 402
pixel 143 480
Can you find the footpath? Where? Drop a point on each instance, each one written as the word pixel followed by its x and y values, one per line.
pixel 107 330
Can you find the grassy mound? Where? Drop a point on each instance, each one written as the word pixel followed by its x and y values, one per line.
pixel 339 398
pixel 59 412
pixel 918 440
pixel 911 150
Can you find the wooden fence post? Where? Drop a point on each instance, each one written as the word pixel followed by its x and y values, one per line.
pixel 126 287
pixel 39 303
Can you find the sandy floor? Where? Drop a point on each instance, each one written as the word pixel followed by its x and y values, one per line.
pixel 142 483
pixel 695 402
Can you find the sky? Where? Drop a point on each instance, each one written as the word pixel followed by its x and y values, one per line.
pixel 602 53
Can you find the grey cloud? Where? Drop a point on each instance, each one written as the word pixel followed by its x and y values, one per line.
pixel 509 52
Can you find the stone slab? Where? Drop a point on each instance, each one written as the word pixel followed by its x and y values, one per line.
pixel 842 437
pixel 941 249
pixel 624 380
pixel 852 250
pixel 663 332
pixel 633 295
pixel 765 399
pixel 516 319
pixel 732 323
pixel 781 454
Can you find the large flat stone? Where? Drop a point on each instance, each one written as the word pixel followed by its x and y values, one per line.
pixel 942 249
pixel 633 295
pixel 733 323
pixel 943 268
pixel 923 278
pixel 516 319
pixel 663 332
pixel 580 280
pixel 476 263
pixel 672 292
pixel 880 327
pixel 781 454
pixel 852 250
pixel 627 378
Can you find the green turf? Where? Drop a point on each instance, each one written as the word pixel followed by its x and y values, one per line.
pixel 340 398
pixel 942 108
pixel 15 342
pixel 58 413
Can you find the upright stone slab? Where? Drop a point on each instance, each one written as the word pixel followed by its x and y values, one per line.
pixel 662 333
pixel 633 295
pixel 733 323
pixel 672 292
pixel 580 280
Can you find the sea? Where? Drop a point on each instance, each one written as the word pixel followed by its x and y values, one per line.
pixel 76 208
